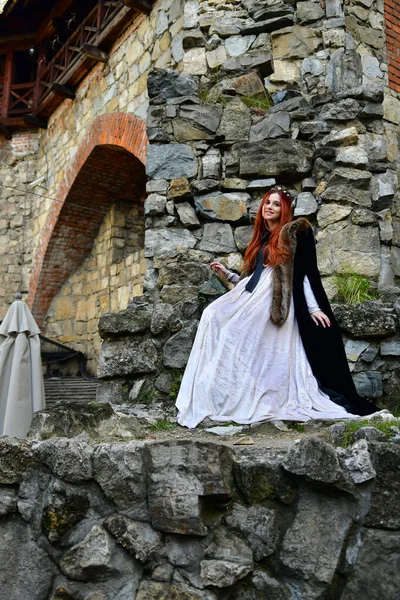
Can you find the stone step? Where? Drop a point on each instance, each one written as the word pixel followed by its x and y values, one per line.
pixel 70 389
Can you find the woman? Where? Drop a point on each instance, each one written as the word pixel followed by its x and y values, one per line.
pixel 270 349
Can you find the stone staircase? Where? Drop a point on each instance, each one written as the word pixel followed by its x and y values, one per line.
pixel 69 389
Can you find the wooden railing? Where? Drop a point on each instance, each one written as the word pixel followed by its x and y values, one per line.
pixel 67 66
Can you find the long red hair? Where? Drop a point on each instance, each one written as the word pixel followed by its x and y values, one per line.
pixel 276 252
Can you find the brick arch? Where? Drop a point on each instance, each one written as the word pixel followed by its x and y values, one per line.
pixel 108 166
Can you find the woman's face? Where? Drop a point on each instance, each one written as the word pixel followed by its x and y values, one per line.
pixel 271 210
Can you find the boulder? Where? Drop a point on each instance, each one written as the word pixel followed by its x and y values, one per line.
pixel 306 205
pixel 356 462
pixel 69 459
pixel 228 559
pixel 126 357
pixel 279 157
pixel 177 349
pixel 139 539
pixel 206 116
pixel 235 123
pixel 326 521
pixel 314 459
pixel 227 206
pixel 257 525
pixel 161 242
pixel 218 238
pixel 182 473
pixel 273 126
pixel 130 321
pixel 16 460
pixel 370 319
pixel 170 161
pixel 243 236
pixel 168 83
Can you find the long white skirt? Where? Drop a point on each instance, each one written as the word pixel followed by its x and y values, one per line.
pixel 244 368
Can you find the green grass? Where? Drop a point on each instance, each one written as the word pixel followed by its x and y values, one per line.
pixel 261 101
pixel 354 289
pixel 352 427
pixel 297 427
pixel 175 385
pixel 162 425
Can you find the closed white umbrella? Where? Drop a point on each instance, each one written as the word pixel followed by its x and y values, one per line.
pixel 21 377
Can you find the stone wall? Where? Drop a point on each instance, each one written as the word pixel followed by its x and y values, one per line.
pixel 117 88
pixel 189 520
pixel 293 94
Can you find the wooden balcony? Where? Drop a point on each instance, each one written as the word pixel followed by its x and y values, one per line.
pixel 57 79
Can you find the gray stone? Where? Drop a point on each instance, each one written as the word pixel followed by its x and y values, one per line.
pixel 184 551
pixel 177 349
pixel 383 187
pixel 26 569
pixel 354 349
pixel 172 294
pixel 156 185
pixel 344 110
pixel 170 161
pixel 351 177
pixel 344 193
pixel 370 353
pixel 332 213
pixel 325 520
pixel 234 183
pixel 260 184
pixel 311 129
pixel 162 242
pixel 306 205
pixel 259 476
pixel 211 164
pixel 16 460
pixel 136 390
pixel 8 501
pixel 370 319
pixel 139 539
pixel 162 23
pixel 344 137
pixel 70 459
pixel 243 236
pixel 308 12
pixel 314 459
pixel 371 110
pixel 193 38
pixel 248 84
pixel 378 553
pixel 360 216
pixel 184 271
pixel 205 116
pixel 177 50
pixel 187 215
pixel 228 560
pixel 119 470
pixel 154 205
pixel 97 558
pixel 239 44
pixel 390 349
pixel 368 384
pixel 226 26
pixel 225 430
pixel 294 42
pixel 174 501
pixel 168 83
pixel 255 59
pixel 276 158
pixel 257 524
pixel 235 123
pixel 344 70
pixel 356 462
pixel 129 321
pixel 126 357
pixel 228 206
pixel 353 157
pixel 369 434
pixel 218 238
pixel 268 25
pixel 311 66
pixel 273 126
pixel 164 318
pixel 385 494
pixel 190 14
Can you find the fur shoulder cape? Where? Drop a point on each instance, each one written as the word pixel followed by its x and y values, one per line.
pixel 282 286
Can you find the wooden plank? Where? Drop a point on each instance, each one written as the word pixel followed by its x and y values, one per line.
pixel 63 90
pixel 35 121
pixel 95 53
pixel 7 83
pixel 144 6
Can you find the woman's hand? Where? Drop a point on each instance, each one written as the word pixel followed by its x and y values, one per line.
pixel 320 317
pixel 219 268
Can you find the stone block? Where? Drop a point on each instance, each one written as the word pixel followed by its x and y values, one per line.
pixel 239 44
pixel 211 164
pixel 255 59
pixel 370 319
pixel 162 242
pixel 126 357
pixel 170 161
pixel 385 493
pixel 218 238
pixel 368 384
pixel 356 462
pixel 129 321
pixel 187 215
pixel 235 123
pixel 309 12
pixel 194 62
pixel 177 349
pixel 69 459
pixel 139 539
pixel 332 213
pixel 273 126
pixel 314 459
pixel 16 460
pixel 228 206
pixel 154 205
pixel 206 116
pixel 243 236
pixel 258 526
pixel 325 520
pixel 294 42
pixel 276 158
pixel 306 205
pixel 179 189
pixel 228 560
pixel 390 349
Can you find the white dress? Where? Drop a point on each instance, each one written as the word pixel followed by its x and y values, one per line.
pixel 246 369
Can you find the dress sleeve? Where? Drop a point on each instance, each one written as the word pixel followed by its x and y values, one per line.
pixel 312 304
pixel 233 278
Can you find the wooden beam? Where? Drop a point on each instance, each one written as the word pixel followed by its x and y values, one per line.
pixel 95 53
pixel 144 6
pixel 8 74
pixel 5 131
pixel 35 121
pixel 63 90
